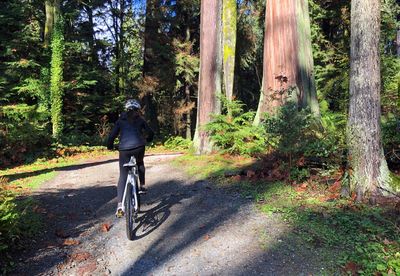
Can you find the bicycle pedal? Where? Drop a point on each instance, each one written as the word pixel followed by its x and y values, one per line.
pixel 120 213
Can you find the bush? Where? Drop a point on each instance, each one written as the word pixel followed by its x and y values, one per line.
pixel 233 130
pixel 391 140
pixel 177 143
pixel 23 130
pixel 299 134
pixel 16 221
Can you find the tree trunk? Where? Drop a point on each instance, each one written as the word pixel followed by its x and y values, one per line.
pixel 369 171
pixel 57 10
pixel 229 19
pixel 150 59
pixel 288 62
pixel 56 72
pixel 306 84
pixel 48 28
pixel 93 54
pixel 210 71
pixel 187 98
pixel 398 43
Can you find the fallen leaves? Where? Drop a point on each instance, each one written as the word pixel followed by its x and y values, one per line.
pixel 80 256
pixel 69 242
pixel 301 188
pixel 87 269
pixel 351 268
pixel 105 227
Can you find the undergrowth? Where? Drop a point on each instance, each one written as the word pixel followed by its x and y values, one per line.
pixel 359 239
pixel 18 222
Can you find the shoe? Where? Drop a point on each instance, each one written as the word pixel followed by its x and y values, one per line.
pixel 142 190
pixel 120 211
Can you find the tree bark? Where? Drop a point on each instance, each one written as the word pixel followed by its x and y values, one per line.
pixel 398 43
pixel 288 63
pixel 48 27
pixel 229 21
pixel 369 172
pixel 150 59
pixel 56 73
pixel 210 72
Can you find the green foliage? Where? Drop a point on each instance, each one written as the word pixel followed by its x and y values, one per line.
pixel 345 233
pixel 17 222
pixel 289 129
pixel 391 139
pixel 186 64
pixel 178 143
pixel 56 85
pixel 298 133
pixel 23 128
pixel 233 130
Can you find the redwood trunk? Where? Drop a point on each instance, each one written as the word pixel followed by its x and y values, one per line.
pixel 210 71
pixel 288 62
pixel 369 170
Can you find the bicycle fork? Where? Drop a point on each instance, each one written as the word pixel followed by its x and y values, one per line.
pixel 130 181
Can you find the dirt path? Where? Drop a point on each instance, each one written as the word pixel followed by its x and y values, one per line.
pixel 188 227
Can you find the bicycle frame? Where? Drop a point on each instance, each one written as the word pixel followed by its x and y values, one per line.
pixel 132 180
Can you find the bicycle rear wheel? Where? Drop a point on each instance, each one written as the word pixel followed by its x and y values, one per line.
pixel 129 216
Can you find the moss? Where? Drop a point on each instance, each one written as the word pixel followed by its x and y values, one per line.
pixel 395 183
pixel 56 89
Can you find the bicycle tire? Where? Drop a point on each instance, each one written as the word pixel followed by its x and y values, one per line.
pixel 129 216
pixel 137 196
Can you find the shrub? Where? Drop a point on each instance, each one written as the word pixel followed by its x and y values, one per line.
pixel 16 221
pixel 391 140
pixel 233 130
pixel 23 129
pixel 178 143
pixel 299 134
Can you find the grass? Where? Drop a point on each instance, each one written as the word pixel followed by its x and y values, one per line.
pixel 18 219
pixel 359 239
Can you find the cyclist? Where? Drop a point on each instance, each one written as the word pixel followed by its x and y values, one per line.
pixel 131 128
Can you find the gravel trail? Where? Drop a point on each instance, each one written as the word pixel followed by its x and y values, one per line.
pixel 187 227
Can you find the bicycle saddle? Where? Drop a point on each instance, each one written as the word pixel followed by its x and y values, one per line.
pixel 131 163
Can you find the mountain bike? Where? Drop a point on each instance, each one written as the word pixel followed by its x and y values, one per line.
pixel 131 197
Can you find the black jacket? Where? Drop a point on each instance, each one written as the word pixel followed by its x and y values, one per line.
pixel 131 133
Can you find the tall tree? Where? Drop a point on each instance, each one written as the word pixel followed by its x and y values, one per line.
pixel 229 24
pixel 369 170
pixel 210 71
pixel 288 62
pixel 48 28
pixel 56 71
pixel 151 59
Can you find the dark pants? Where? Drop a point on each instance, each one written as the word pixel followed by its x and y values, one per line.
pixel 124 157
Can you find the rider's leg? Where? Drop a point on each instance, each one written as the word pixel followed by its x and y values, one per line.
pixel 124 157
pixel 139 155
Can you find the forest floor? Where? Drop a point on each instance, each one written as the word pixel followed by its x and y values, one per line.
pixel 188 226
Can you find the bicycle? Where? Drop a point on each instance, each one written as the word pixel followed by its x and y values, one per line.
pixel 131 197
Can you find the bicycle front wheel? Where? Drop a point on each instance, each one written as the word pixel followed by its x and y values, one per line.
pixel 129 206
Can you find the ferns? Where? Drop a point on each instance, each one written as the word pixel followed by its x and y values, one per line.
pixel 233 130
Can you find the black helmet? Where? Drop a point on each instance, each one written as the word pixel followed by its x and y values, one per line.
pixel 132 105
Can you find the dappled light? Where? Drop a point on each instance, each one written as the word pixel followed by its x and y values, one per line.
pixel 200 137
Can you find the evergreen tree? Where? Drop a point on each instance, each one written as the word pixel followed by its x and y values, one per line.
pixel 369 171
pixel 210 72
pixel 287 71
